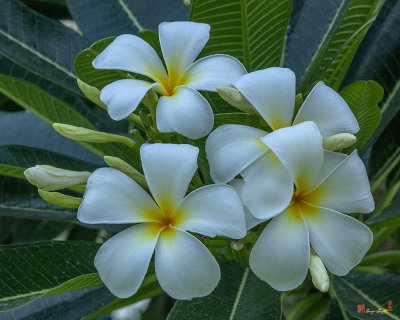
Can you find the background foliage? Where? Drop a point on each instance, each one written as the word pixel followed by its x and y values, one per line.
pixel 352 45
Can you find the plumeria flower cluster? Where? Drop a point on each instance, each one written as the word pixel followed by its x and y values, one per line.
pixel 283 177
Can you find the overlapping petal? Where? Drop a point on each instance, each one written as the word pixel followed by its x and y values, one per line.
pixel 299 148
pixel 112 197
pixel 186 112
pixel 131 53
pixel 272 92
pixel 341 241
pixel 328 110
pixel 181 42
pixel 281 254
pixel 331 161
pixel 184 267
pixel 251 221
pixel 231 148
pixel 213 71
pixel 122 261
pixel 213 210
pixel 268 188
pixel 123 96
pixel 346 189
pixel 168 168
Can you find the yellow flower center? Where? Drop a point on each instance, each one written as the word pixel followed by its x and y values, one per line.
pixel 164 219
pixel 170 83
pixel 300 205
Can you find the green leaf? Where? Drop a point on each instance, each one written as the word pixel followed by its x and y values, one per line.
pixel 373 291
pixel 333 57
pixel 91 76
pixel 363 98
pixel 236 118
pixel 39 44
pixel 250 30
pixel 390 211
pixel 239 295
pixel 123 16
pixel 49 109
pixel 30 271
pixel 378 59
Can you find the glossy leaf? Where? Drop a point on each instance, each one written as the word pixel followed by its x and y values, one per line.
pixel 236 118
pixel 332 59
pixel 363 98
pixel 378 59
pixel 30 271
pixel 239 295
pixel 39 44
pixel 373 291
pixel 99 19
pixel 252 31
pixel 49 108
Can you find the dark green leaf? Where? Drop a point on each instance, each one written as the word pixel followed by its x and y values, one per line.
pixel 239 295
pixel 252 31
pixel 363 98
pixel 379 59
pixel 389 212
pixel 50 109
pixel 39 44
pixel 333 57
pixel 30 271
pixel 373 291
pixel 236 118
pixel 99 19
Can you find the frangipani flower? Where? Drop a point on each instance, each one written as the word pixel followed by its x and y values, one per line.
pixel 181 108
pixel 237 149
pixel 183 265
pixel 328 184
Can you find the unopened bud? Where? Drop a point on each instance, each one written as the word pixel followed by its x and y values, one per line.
pixel 88 135
pixel 60 199
pixel 298 101
pixel 319 275
pixel 92 93
pixel 150 99
pixel 131 172
pixel 237 245
pixel 339 141
pixel 51 178
pixel 236 99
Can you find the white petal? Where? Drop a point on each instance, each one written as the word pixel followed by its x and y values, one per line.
pixel 213 210
pixel 281 254
pixel 251 221
pixel 186 112
pixel 272 92
pixel 231 148
pixel 123 96
pixel 131 53
pixel 113 197
pixel 185 268
pixel 268 188
pixel 346 189
pixel 340 240
pixel 210 72
pixel 122 261
pixel 331 161
pixel 181 42
pixel 299 148
pixel 168 168
pixel 328 110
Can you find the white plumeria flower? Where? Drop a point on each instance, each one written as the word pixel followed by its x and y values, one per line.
pixel 181 108
pixel 328 184
pixel 183 265
pixel 237 149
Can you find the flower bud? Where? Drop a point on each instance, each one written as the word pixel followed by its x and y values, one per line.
pixel 51 178
pixel 236 99
pixel 319 275
pixel 60 199
pixel 92 93
pixel 339 141
pixel 88 135
pixel 131 172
